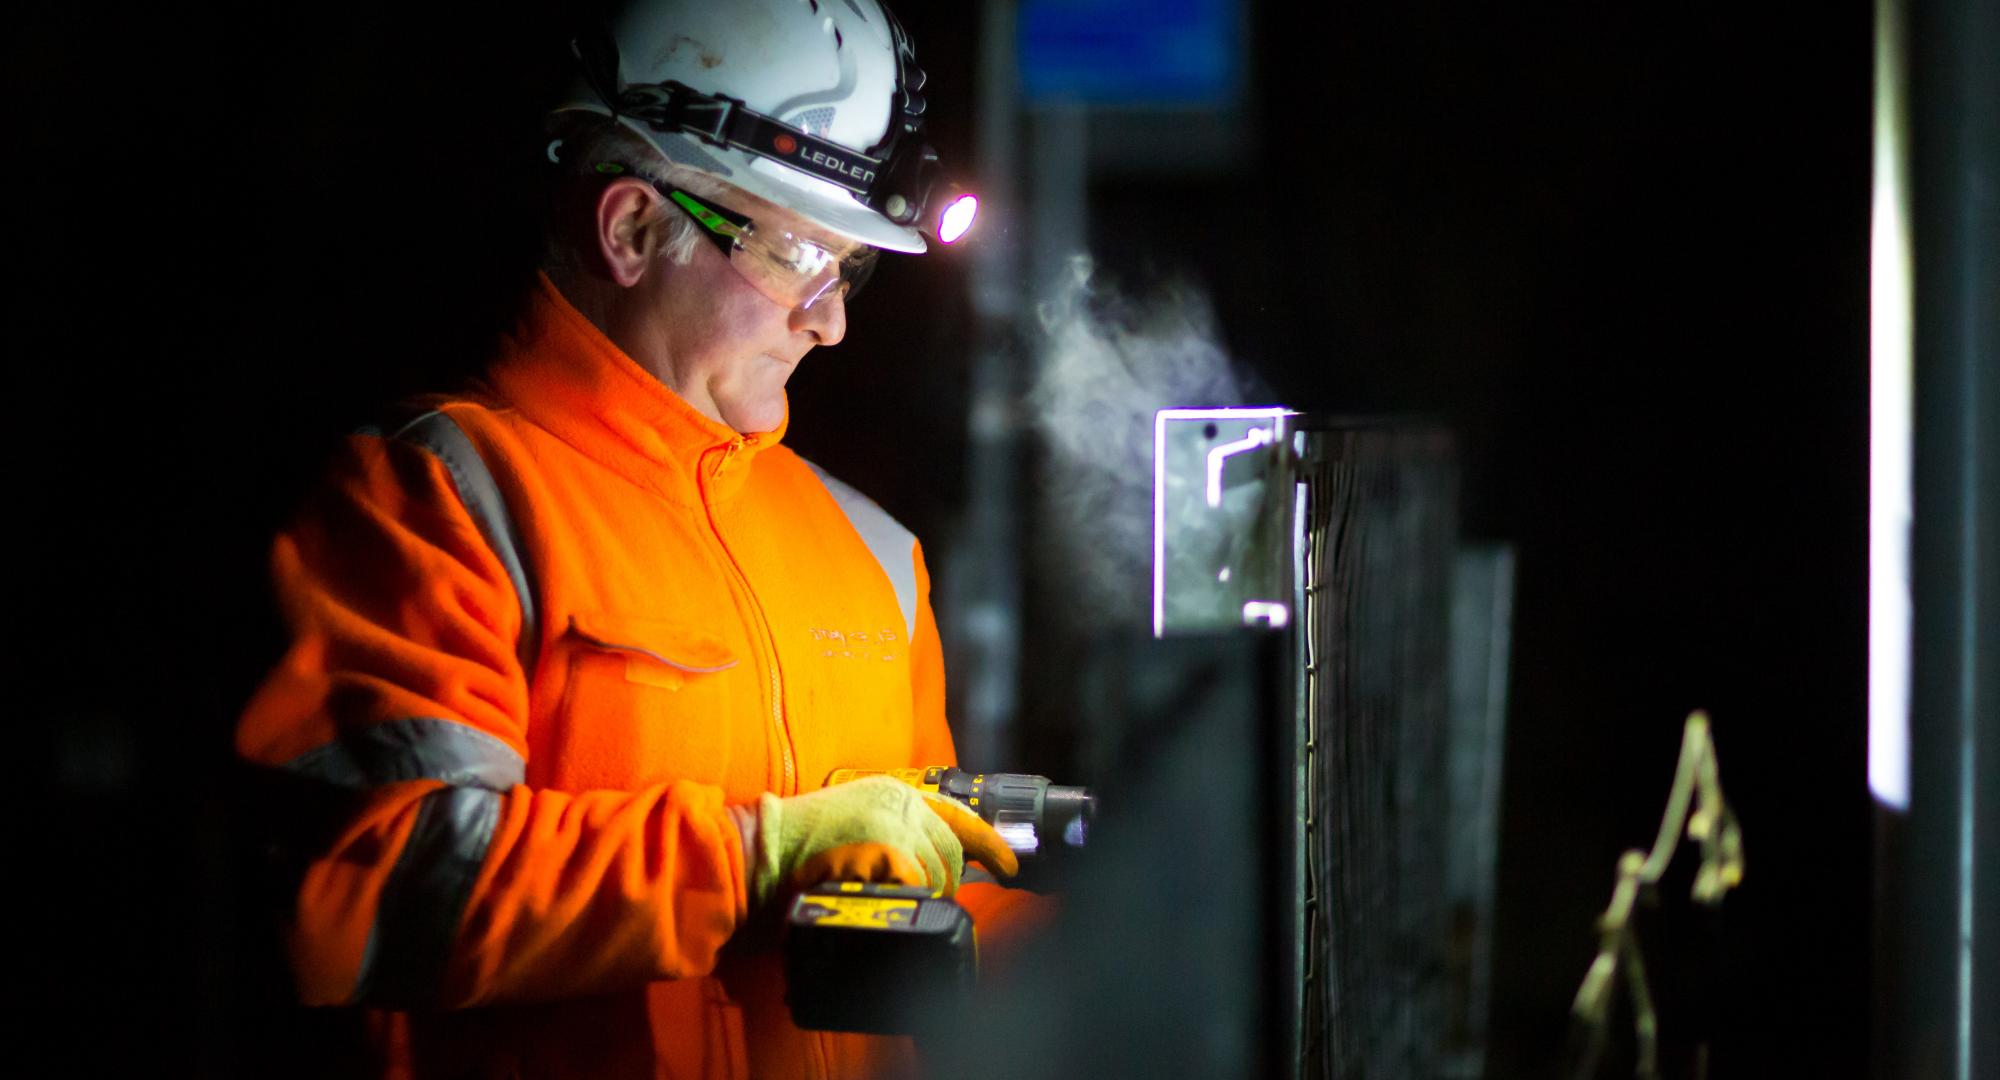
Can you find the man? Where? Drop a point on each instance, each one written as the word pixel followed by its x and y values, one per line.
pixel 585 644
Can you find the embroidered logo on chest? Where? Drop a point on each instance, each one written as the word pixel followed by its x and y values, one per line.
pixel 882 645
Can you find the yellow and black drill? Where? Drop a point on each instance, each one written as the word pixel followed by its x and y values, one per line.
pixel 856 954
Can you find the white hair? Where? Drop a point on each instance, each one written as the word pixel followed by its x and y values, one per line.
pixel 586 146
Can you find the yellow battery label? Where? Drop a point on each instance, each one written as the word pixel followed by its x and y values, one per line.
pixel 878 912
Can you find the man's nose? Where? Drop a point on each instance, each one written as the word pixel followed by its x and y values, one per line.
pixel 826 319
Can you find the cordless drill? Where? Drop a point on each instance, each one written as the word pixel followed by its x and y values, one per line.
pixel 857 954
pixel 1028 812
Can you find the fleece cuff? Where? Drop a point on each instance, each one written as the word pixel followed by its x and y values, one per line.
pixel 755 855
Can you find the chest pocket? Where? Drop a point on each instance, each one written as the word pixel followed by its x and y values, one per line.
pixel 649 700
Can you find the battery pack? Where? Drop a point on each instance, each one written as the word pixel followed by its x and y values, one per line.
pixel 880 959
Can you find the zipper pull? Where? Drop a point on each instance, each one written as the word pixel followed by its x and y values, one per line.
pixel 729 450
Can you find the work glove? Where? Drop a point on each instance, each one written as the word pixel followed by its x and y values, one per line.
pixel 872 829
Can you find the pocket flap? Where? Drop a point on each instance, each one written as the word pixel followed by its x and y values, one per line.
pixel 674 644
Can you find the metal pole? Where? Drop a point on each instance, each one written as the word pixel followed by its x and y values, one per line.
pixel 1061 192
pixel 983 612
pixel 1939 870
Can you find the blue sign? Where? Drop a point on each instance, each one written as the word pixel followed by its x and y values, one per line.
pixel 1130 52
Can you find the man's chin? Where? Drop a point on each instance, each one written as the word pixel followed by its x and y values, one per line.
pixel 755 418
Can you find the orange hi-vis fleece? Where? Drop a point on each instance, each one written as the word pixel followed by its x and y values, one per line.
pixel 543 873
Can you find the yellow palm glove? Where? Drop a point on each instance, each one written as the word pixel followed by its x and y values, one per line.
pixel 798 840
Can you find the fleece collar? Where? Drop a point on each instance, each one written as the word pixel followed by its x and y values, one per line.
pixel 563 374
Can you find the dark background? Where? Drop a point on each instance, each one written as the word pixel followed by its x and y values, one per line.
pixel 1623 249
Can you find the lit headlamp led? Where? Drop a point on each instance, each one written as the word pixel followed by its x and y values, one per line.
pixel 955 220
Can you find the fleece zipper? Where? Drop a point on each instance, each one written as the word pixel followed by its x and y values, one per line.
pixel 789 783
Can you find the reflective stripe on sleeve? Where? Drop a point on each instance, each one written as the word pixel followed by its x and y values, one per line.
pixel 892 545
pixel 441 436
pixel 424 899
pixel 418 915
pixel 415 748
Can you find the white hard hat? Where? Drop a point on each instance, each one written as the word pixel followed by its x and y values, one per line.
pixel 810 104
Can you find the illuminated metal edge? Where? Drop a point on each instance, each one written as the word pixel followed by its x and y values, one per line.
pixel 1269 612
pixel 1160 420
pixel 1019 836
pixel 1218 458
pixel 1303 898
pixel 1890 422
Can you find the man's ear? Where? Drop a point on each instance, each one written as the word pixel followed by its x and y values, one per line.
pixel 628 230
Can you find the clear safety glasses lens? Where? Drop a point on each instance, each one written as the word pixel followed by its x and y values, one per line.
pixel 796 271
pixel 790 269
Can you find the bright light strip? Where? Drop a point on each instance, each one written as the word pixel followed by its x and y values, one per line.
pixel 957 218
pixel 1890 350
pixel 1160 420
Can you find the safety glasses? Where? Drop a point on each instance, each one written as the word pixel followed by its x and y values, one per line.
pixel 790 269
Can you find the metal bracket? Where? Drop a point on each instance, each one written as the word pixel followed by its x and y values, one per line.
pixel 1219 457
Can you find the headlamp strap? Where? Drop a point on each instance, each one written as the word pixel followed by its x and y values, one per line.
pixel 727 122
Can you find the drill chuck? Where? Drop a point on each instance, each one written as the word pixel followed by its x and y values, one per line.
pixel 1030 813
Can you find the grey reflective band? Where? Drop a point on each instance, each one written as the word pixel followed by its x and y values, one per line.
pixel 421 904
pixel 445 440
pixel 415 748
pixel 417 917
pixel 892 545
